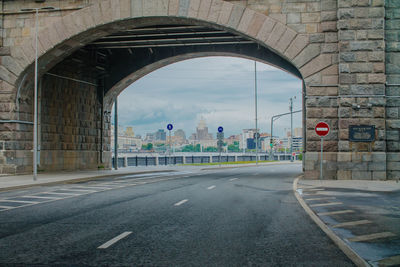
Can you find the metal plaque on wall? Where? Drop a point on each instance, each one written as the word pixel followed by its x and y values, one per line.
pixel 362 133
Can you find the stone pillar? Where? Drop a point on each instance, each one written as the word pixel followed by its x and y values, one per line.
pixel 392 29
pixel 361 88
pixel 236 158
pixel 125 161
pixel 211 158
pixel 157 160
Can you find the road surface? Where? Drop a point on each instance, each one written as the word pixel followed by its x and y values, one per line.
pixel 229 217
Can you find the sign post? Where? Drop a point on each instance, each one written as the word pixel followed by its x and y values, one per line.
pixel 322 129
pixel 169 127
pixel 220 142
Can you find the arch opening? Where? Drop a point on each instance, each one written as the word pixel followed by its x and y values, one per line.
pixel 81 89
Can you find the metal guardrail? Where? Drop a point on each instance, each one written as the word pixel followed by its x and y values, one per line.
pixel 174 160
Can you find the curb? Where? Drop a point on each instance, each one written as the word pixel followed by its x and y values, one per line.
pixel 78 180
pixel 253 165
pixel 350 253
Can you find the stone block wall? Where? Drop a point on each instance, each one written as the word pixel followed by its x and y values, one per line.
pixel 70 122
pixel 362 80
pixel 392 36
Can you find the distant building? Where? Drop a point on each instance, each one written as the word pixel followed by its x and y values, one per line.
pixel 202 131
pixel 160 135
pixel 129 132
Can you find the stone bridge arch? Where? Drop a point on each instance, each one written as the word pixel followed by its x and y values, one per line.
pixel 312 51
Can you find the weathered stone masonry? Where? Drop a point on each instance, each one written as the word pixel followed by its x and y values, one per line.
pixel 347 52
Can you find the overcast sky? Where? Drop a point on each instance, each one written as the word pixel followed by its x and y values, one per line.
pixel 218 89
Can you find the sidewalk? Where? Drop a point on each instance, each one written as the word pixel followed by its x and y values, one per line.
pixel 364 215
pixel 22 181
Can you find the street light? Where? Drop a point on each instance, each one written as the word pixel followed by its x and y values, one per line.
pixel 35 105
pixel 291 127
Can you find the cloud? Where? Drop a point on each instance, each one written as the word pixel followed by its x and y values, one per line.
pixel 220 89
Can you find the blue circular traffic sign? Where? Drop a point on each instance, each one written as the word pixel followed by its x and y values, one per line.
pixel 169 126
pixel 220 129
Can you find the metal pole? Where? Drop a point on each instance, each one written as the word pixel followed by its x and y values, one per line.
pixel 272 140
pixel 116 133
pixel 169 160
pixel 255 106
pixel 35 109
pixel 322 150
pixel 291 129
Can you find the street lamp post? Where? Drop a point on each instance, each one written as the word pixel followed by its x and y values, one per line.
pixel 35 104
pixel 291 128
pixel 255 107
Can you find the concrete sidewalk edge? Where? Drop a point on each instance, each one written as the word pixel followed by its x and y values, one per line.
pixel 78 180
pixel 350 253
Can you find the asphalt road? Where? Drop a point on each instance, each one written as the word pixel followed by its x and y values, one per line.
pixel 232 217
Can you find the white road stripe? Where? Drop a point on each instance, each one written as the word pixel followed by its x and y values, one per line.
pixel 40 197
pixel 211 187
pixel 114 240
pixel 326 204
pixel 353 223
pixel 335 212
pixel 180 202
pixel 19 201
pixel 361 238
pixel 319 198
pixel 233 179
pixel 56 193
pixel 313 189
pixel 79 190
pixel 6 207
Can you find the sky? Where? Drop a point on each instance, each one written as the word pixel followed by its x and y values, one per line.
pixel 218 89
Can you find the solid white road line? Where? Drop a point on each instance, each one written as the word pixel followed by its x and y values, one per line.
pixel 180 202
pixel 80 190
pixel 211 187
pixel 319 198
pixel 6 207
pixel 326 204
pixel 313 189
pixel 361 238
pixel 40 197
pixel 353 223
pixel 335 212
pixel 114 240
pixel 233 179
pixel 57 193
pixel 19 201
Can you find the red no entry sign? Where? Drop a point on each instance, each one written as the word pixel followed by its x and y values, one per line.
pixel 322 128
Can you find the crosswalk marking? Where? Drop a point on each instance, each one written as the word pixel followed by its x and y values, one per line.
pixel 335 212
pixel 352 223
pixel 361 238
pixel 326 204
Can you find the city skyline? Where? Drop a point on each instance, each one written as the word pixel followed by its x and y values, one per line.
pixel 218 89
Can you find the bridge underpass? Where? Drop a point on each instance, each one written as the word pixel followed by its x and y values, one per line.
pixel 109 65
pixel 348 64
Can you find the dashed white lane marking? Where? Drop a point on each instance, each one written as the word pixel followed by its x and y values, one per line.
pixel 233 179
pixel 353 223
pixel 335 212
pixel 114 240
pixel 211 187
pixel 181 202
pixel 319 198
pixel 361 238
pixel 326 204
pixel 19 201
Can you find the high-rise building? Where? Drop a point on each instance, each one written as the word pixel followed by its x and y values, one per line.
pixel 161 135
pixel 202 131
pixel 180 133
